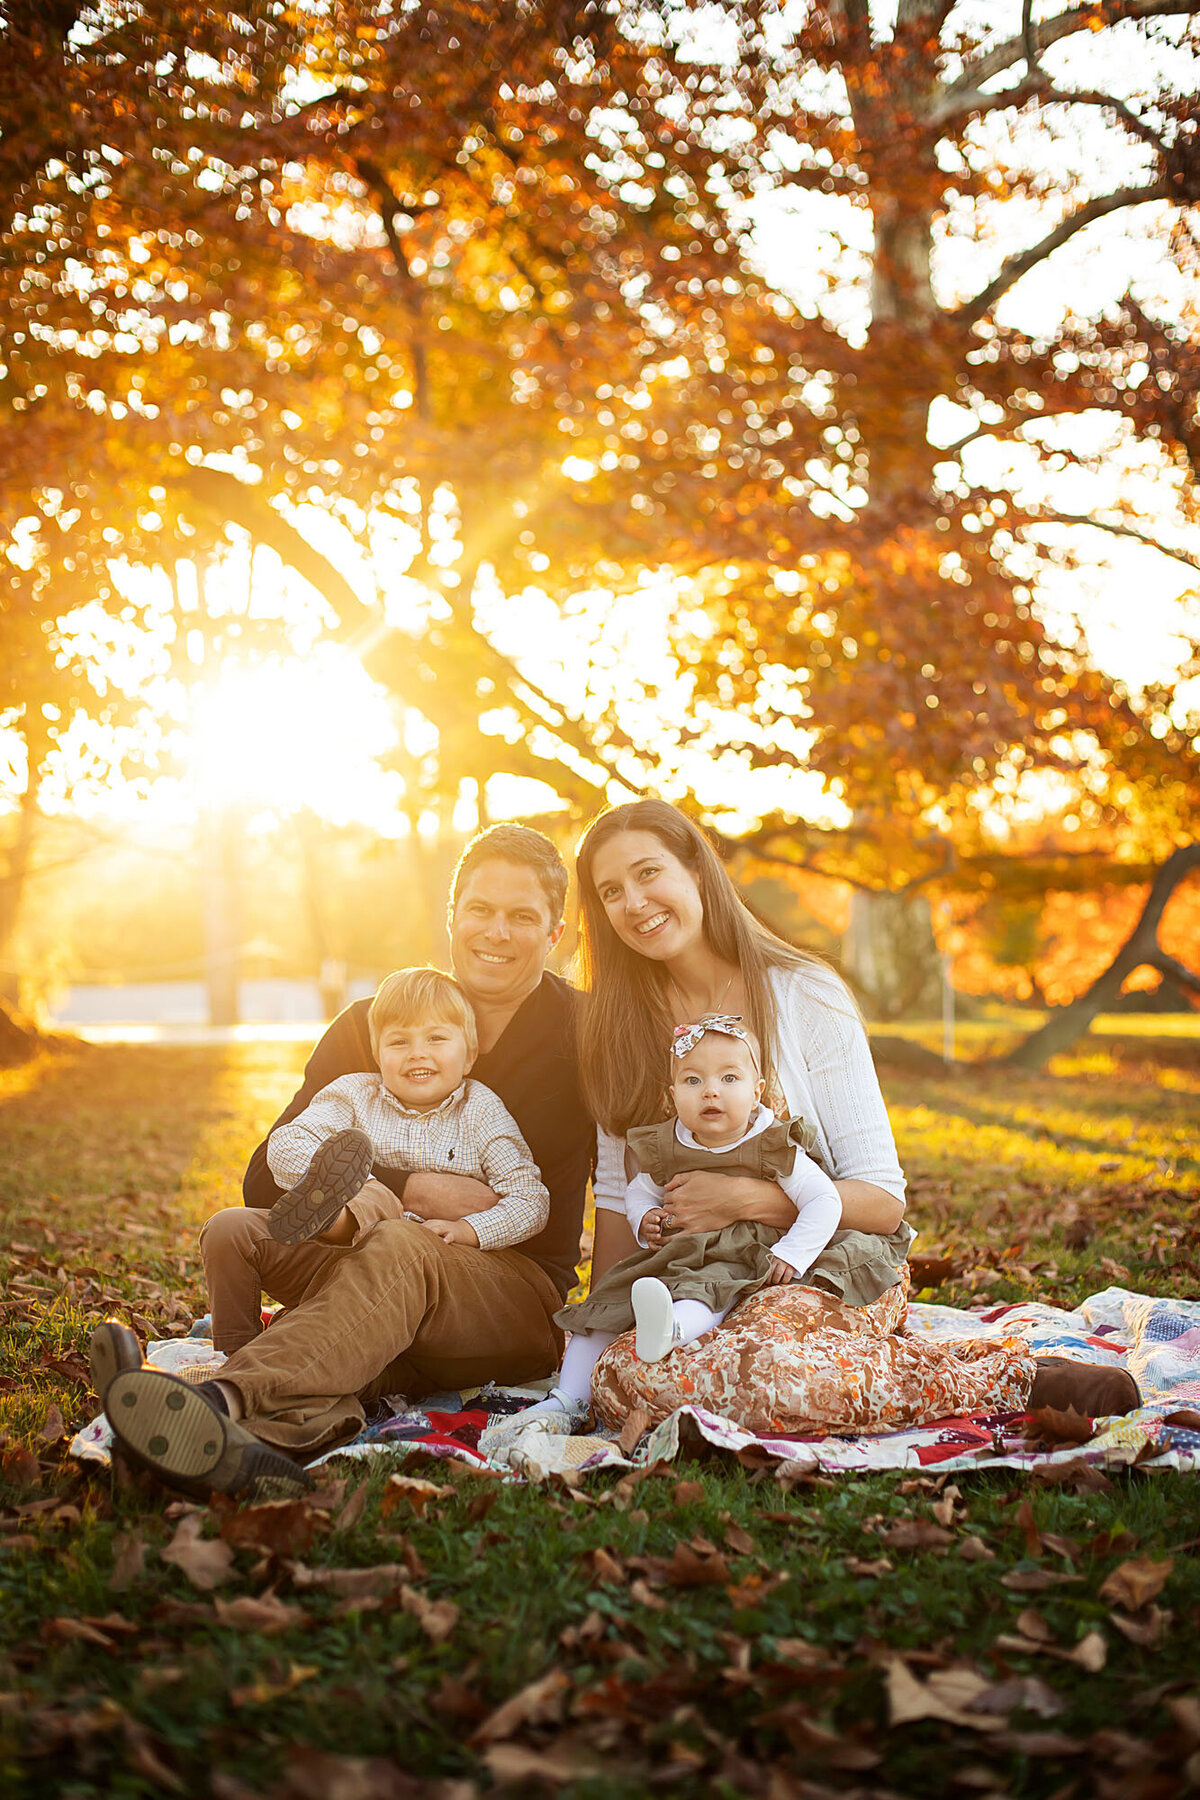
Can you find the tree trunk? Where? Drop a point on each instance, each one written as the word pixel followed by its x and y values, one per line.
pixel 1142 946
pixel 890 955
pixel 19 1036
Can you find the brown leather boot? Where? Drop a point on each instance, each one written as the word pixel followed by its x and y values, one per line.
pixel 1098 1391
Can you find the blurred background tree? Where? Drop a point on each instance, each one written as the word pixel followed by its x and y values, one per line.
pixel 502 337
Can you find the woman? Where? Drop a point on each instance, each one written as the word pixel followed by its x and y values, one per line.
pixel 664 938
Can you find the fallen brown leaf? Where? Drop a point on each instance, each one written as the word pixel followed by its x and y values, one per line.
pixel 437 1618
pixel 67 1630
pixel 282 1527
pixel 688 1493
pixel 602 1566
pixel 540 1702
pixel 1040 1743
pixel 321 1775
pixel 1090 1653
pixel 1035 1581
pixel 262 1693
pixel 1135 1583
pixel 930 1271
pixel 689 1569
pixel 413 1492
pixel 871 1566
pixel 53 1428
pixel 910 1699
pixel 1083 1476
pixel 1048 1425
pixel 205 1561
pixel 382 1580
pixel 262 1613
pixel 1147 1629
pixel 973 1549
pixel 511 1763
pixel 916 1534
pixel 642 1594
pixel 636 1425
pixel 129 1556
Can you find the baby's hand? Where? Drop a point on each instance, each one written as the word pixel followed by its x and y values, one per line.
pixel 652 1227
pixel 780 1272
pixel 453 1231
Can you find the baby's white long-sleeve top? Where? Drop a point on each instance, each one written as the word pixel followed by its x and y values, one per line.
pixel 817 1202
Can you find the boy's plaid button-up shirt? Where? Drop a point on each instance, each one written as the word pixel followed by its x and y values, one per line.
pixel 472 1132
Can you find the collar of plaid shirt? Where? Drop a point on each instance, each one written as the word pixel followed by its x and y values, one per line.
pixel 423 1112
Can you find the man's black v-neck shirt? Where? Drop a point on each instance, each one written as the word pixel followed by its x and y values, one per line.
pixel 534 1068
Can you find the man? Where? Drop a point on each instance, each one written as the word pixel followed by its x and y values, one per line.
pixel 399 1310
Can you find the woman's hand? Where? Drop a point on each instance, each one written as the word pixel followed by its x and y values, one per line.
pixel 704 1202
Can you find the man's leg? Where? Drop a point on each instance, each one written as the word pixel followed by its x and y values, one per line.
pixel 400 1301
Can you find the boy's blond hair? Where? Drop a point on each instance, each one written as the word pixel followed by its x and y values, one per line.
pixel 412 996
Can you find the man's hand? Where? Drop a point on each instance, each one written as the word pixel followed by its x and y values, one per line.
pixel 780 1272
pixel 453 1231
pixel 652 1227
pixel 442 1197
pixel 703 1202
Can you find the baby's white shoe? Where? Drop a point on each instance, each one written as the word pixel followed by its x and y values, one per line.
pixel 654 1317
pixel 557 1414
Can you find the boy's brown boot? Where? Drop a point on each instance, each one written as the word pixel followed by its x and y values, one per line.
pixel 337 1171
pixel 113 1347
pixel 1097 1390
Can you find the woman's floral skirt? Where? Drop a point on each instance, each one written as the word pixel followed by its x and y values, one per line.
pixel 792 1361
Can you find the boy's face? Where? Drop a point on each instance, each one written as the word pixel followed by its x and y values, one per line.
pixel 716 1088
pixel 423 1063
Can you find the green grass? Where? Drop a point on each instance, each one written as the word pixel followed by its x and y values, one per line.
pixel 129 1684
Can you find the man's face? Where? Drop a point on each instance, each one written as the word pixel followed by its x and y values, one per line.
pixel 501 932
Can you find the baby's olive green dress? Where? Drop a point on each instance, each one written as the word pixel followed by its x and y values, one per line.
pixel 723 1267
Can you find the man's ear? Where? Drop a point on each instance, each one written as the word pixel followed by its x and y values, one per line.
pixel 557 932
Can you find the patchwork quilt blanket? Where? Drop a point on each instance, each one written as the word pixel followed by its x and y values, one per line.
pixel 1157 1340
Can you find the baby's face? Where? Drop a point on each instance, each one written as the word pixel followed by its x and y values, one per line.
pixel 423 1063
pixel 716 1089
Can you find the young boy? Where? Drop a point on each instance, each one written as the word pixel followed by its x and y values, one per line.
pixel 420 1112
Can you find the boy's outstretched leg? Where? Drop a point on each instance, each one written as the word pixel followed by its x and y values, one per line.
pixel 339 1168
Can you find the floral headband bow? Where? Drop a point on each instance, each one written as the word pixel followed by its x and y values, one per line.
pixel 686 1037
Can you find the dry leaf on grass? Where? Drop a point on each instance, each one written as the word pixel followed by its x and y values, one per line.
pixel 321 1775
pixel 79 1631
pixel 511 1763
pixel 916 1534
pixel 437 1618
pixel 413 1492
pixel 205 1561
pixel 688 1568
pixel 262 1693
pixel 1135 1583
pixel 602 1566
pixel 541 1702
pixel 282 1527
pixel 1035 1581
pixel 1147 1629
pixel 263 1612
pixel 352 1584
pixel 946 1696
pixel 973 1549
pixel 688 1493
pixel 1083 1476
pixel 53 1427
pixel 355 1507
pixel 129 1556
pixel 870 1566
pixel 1040 1743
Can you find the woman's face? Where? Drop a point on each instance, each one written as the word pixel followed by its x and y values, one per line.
pixel 651 898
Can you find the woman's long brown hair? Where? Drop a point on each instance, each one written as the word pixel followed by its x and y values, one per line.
pixel 625 1032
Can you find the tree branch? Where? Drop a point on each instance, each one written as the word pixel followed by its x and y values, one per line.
pixel 1188 558
pixel 993 62
pixel 1020 265
pixel 389 205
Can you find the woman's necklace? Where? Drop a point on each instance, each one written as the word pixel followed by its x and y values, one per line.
pixel 715 1007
